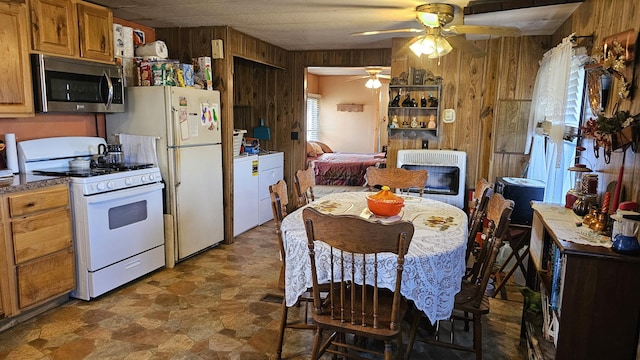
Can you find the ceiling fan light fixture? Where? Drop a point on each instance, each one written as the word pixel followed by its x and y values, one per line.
pixel 442 48
pixel 434 46
pixel 373 83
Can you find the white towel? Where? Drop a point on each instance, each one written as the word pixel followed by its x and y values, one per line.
pixel 139 149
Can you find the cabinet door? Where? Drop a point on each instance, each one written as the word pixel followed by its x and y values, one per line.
pixel 54 27
pixel 271 171
pixel 46 277
pixel 245 194
pixel 96 32
pixel 16 96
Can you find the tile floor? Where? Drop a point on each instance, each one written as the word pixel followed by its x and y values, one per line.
pixel 208 307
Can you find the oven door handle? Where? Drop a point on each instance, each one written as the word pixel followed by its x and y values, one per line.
pixel 123 193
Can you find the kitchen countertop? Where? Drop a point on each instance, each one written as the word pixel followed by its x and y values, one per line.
pixel 22 182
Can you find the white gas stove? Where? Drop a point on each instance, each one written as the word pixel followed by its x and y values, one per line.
pixel 117 212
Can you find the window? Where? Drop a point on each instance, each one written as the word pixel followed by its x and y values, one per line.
pixel 313 117
pixel 574 111
pixel 557 104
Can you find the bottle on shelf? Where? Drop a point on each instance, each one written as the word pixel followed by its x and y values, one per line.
pixel 396 100
pixel 407 100
pixel 423 101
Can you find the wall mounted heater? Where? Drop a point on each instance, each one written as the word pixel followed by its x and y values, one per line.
pixel 446 173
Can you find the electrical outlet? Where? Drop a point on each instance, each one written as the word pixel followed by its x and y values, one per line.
pixel 425 144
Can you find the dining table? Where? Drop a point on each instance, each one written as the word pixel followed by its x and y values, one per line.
pixel 434 264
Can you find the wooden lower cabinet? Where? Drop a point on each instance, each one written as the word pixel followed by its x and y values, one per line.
pixel 37 262
pixel 45 278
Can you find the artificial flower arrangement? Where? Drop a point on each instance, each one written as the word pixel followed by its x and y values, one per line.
pixel 612 132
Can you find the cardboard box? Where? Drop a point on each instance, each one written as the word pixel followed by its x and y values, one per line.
pixel 187 74
pixel 203 72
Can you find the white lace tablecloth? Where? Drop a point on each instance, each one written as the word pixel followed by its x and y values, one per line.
pixel 434 265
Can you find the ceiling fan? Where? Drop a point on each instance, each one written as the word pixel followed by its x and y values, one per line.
pixel 374 74
pixel 439 40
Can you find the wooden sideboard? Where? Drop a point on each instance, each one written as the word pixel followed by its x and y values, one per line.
pixel 595 297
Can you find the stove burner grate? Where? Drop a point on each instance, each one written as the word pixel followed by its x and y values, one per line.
pixel 94 171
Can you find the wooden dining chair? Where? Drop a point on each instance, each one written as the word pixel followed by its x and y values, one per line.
pixel 279 202
pixel 397 178
pixel 471 303
pixel 362 311
pixel 305 180
pixel 477 214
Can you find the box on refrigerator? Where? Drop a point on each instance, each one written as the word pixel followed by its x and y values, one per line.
pixel 203 72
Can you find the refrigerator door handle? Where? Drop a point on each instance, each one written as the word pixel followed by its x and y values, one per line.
pixel 176 156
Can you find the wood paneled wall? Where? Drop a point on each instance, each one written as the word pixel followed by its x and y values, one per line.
pixel 473 86
pixel 602 18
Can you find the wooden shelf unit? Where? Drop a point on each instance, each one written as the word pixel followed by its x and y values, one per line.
pixel 422 114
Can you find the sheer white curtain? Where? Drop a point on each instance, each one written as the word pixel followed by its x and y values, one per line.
pixel 548 161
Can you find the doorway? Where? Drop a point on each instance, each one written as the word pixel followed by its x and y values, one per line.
pixel 355 129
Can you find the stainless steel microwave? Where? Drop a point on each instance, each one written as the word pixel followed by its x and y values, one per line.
pixel 76 86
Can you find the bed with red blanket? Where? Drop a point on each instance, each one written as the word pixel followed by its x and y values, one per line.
pixel 344 168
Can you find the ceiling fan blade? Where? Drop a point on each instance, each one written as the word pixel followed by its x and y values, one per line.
pixel 483 30
pixel 384 76
pixel 376 32
pixel 356 77
pixel 460 43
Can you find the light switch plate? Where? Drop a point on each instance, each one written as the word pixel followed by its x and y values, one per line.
pixel 216 49
pixel 448 116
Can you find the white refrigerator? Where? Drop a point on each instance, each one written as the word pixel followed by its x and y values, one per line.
pixel 186 123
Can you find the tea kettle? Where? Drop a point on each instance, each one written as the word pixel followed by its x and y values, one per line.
pixel 624 232
pixel 108 155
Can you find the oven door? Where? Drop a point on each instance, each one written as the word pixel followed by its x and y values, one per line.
pixel 122 224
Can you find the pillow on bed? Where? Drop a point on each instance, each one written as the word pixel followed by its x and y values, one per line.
pixel 313 149
pixel 325 148
pixel 317 149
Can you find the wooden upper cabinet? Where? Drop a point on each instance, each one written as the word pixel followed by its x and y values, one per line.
pixel 16 96
pixel 72 28
pixel 54 27
pixel 96 32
